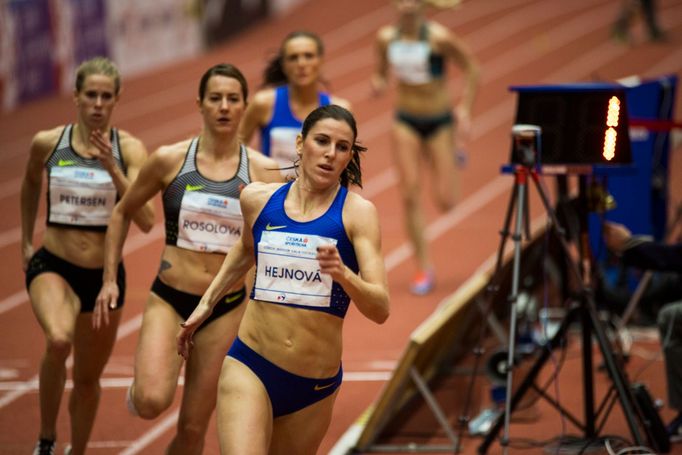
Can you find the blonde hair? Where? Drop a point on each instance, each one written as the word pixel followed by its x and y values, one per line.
pixel 97 65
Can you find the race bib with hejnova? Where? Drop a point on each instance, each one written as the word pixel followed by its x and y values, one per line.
pixel 288 271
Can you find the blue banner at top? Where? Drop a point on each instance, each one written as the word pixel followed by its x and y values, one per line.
pixel 89 29
pixel 35 70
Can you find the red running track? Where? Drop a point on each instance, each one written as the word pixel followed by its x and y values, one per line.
pixel 516 42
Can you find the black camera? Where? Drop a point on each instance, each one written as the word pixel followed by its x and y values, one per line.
pixel 526 145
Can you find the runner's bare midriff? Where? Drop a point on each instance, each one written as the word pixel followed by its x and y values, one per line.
pixel 424 99
pixel 303 342
pixel 190 271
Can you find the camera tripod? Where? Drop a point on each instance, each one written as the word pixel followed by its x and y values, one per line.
pixel 584 312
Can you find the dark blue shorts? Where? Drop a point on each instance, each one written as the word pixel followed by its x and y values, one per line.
pixel 184 303
pixel 85 283
pixel 288 392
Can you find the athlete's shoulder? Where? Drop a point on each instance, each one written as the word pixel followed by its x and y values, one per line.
pixel 341 102
pixel 264 98
pixel 356 201
pixel 260 189
pixel 167 157
pixel 129 142
pixel 263 168
pixel 438 32
pixel 360 214
pixel 255 195
pixel 386 33
pixel 173 151
pixel 46 140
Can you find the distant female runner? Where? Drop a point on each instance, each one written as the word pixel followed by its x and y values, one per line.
pixel 417 51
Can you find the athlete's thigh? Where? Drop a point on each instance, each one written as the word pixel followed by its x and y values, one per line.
pixel 92 348
pixel 202 370
pixel 440 148
pixel 157 363
pixel 303 431
pixel 55 305
pixel 407 153
pixel 244 411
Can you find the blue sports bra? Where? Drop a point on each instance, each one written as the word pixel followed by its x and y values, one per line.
pixel 287 272
pixel 278 137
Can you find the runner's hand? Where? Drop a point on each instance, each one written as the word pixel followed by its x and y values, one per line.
pixel 463 122
pixel 378 85
pixel 107 299
pixel 26 255
pixel 330 261
pixel 198 316
pixel 104 149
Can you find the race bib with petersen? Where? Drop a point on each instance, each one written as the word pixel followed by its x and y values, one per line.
pixel 81 196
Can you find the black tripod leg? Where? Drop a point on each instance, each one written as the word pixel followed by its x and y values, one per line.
pixel 526 213
pixel 558 339
pixel 492 289
pixel 504 235
pixel 591 323
pixel 617 377
pixel 517 236
pixel 588 375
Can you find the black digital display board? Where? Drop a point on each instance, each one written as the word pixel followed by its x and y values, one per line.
pixel 581 123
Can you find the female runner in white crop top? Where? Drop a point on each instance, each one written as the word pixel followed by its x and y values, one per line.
pixel 417 51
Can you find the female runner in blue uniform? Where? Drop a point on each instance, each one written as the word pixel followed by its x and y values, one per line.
pixel 417 50
pixel 200 180
pixel 316 246
pixel 293 90
pixel 89 165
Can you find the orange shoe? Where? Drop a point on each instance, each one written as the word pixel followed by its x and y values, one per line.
pixel 423 282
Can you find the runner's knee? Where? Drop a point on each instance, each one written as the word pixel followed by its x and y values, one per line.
pixel 86 387
pixel 191 432
pixel 150 405
pixel 410 199
pixel 58 346
pixel 446 202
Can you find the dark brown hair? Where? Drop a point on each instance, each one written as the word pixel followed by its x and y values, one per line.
pixel 274 71
pixel 352 175
pixel 227 70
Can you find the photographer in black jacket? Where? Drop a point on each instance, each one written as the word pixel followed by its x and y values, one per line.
pixel 641 252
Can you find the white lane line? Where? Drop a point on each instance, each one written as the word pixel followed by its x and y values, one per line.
pixel 13 235
pixel 477 201
pixel 169 421
pixel 152 434
pixel 124 382
pixel 13 301
pixel 389 176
